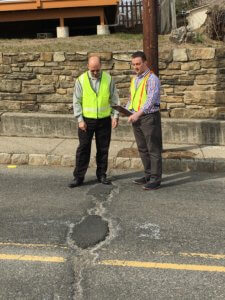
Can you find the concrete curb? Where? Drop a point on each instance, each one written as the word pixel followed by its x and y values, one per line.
pixel 169 165
pixel 37 139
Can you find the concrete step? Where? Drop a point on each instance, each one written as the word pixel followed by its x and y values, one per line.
pixel 175 131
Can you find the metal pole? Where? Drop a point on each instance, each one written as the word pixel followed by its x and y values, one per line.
pixel 150 33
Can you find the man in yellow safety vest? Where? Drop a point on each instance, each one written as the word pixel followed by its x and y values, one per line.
pixel 146 121
pixel 94 94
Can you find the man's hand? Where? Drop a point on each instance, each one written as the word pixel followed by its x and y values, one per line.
pixel 82 125
pixel 114 123
pixel 135 116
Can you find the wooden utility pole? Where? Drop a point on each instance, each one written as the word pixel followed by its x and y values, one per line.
pixel 150 33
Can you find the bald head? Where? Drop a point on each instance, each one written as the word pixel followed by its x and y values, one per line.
pixel 94 60
pixel 94 66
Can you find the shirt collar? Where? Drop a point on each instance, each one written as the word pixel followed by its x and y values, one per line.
pixel 142 75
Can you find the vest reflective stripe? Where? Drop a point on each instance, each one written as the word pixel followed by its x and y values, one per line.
pixel 101 109
pixel 139 95
pixel 94 105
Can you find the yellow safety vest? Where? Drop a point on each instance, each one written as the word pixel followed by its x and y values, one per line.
pixel 96 105
pixel 139 95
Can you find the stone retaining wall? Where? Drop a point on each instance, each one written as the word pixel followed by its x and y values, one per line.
pixel 193 81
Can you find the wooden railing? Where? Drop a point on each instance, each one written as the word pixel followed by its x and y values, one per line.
pixel 130 13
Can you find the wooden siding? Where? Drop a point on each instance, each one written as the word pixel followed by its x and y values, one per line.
pixel 51 4
pixel 53 14
pixel 24 10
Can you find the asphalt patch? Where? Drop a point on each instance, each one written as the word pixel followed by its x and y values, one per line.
pixel 91 231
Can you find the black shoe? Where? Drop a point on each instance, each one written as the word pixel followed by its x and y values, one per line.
pixel 142 180
pixel 75 182
pixel 104 180
pixel 152 185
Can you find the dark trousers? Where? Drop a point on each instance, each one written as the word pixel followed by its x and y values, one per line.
pixel 148 136
pixel 101 128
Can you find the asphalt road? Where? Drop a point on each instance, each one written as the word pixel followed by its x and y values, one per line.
pixel 110 242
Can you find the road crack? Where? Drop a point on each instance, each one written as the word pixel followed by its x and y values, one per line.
pixel 94 231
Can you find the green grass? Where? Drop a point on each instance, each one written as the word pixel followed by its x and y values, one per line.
pixel 129 36
pixel 199 38
pixel 93 43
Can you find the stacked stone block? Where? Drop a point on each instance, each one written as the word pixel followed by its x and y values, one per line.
pixel 193 80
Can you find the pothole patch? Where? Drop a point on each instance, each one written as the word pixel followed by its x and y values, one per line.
pixel 91 231
pixel 101 192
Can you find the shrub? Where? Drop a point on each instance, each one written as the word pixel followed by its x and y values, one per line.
pixel 215 23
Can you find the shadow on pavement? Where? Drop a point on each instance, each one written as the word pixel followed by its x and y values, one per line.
pixel 174 179
pixel 185 177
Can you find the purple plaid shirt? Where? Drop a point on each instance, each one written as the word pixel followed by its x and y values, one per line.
pixel 153 92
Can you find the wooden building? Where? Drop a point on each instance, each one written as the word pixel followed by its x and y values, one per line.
pixel 14 11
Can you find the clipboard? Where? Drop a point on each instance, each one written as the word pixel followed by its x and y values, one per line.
pixel 122 110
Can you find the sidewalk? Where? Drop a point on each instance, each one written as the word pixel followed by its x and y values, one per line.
pixel 123 154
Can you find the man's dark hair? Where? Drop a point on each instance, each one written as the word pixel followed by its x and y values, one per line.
pixel 139 54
